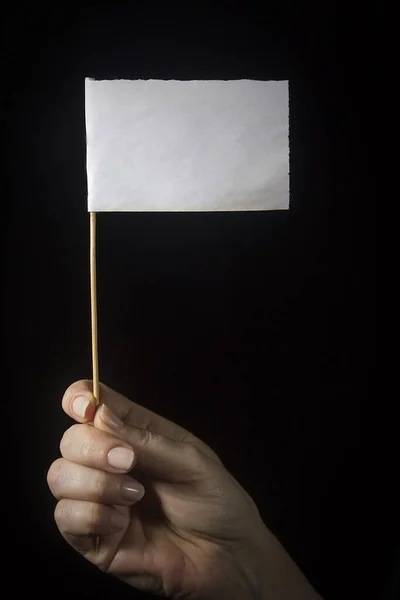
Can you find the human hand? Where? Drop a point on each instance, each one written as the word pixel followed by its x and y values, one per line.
pixel 187 530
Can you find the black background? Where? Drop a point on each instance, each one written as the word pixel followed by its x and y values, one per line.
pixel 256 331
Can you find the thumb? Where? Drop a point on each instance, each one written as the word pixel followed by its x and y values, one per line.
pixel 156 454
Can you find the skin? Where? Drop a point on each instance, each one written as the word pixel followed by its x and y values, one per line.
pixel 185 530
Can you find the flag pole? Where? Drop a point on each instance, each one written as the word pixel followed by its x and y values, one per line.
pixel 93 303
pixel 93 310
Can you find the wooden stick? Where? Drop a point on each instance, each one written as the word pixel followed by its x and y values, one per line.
pixel 93 302
pixel 93 306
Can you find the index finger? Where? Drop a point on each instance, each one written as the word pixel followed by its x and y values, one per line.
pixel 79 403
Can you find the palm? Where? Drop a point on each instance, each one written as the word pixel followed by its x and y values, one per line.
pixel 173 535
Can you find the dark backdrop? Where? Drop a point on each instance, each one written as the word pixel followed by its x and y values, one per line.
pixel 253 330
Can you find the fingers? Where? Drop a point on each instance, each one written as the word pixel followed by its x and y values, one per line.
pixel 74 405
pixel 80 518
pixel 108 447
pixel 156 454
pixel 90 447
pixel 131 413
pixel 72 481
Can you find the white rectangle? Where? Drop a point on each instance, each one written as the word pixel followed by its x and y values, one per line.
pixel 167 145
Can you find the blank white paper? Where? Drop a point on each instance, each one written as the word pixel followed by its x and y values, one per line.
pixel 172 145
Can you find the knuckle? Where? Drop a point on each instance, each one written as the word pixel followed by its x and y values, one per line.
pixel 78 443
pixel 195 458
pixel 95 517
pixel 68 436
pixel 100 485
pixel 86 448
pixel 62 513
pixel 192 453
pixel 145 437
pixel 53 474
pixel 194 465
pixel 209 452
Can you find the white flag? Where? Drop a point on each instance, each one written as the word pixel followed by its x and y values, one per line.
pixel 167 145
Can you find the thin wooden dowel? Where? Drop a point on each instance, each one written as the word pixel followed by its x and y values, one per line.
pixel 93 304
pixel 93 307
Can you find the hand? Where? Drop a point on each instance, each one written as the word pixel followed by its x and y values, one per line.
pixel 182 527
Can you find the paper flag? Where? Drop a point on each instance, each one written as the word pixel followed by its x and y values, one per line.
pixel 167 145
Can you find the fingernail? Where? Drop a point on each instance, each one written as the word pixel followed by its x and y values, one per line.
pixel 79 406
pixel 110 419
pixel 132 491
pixel 118 520
pixel 120 458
